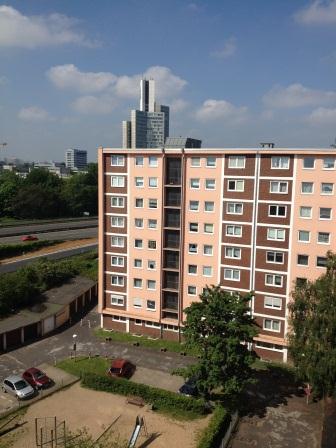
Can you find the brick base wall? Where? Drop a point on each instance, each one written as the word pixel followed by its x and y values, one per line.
pixel 269 355
pixel 110 324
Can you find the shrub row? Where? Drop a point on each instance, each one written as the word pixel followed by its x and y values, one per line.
pixel 215 431
pixel 159 398
pixel 10 250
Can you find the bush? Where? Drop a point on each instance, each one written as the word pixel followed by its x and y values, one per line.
pixel 215 431
pixel 159 398
pixel 10 250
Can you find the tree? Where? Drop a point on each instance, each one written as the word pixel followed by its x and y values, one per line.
pixel 312 341
pixel 220 326
pixel 9 186
pixel 80 192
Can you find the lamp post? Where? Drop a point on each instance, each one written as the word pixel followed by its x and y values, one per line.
pixel 74 347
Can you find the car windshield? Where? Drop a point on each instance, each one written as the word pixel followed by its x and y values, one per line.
pixel 20 385
pixel 39 375
pixel 115 370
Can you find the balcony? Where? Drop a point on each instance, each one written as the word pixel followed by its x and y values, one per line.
pixel 172 218
pixel 170 301
pixel 171 260
pixel 173 197
pixel 171 280
pixel 173 171
pixel 172 239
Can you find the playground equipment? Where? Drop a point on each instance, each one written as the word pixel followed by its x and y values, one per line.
pixel 139 424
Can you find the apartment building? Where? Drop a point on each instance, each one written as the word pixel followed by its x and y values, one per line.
pixel 174 220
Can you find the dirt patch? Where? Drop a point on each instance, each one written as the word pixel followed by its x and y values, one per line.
pixel 81 407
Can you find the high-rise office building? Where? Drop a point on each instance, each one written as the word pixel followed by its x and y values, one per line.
pixel 76 159
pixel 149 126
pixel 174 220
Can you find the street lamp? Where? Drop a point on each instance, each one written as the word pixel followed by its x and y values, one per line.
pixel 74 336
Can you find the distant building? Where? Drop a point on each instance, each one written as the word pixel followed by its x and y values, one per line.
pixel 76 159
pixel 57 168
pixel 182 142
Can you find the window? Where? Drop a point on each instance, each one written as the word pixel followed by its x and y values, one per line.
pixel 151 284
pixel 193 227
pixel 232 274
pixel 139 203
pixel 274 257
pixel 210 184
pixel 153 182
pixel 152 223
pixel 195 161
pixel 117 181
pixel 209 206
pixel 138 322
pixel 117 261
pixel 276 234
pixel 117 221
pixel 272 325
pixel 280 162
pixel 138 222
pixel 307 187
pixel 152 324
pixel 273 280
pixel 139 181
pixel 236 161
pixel 139 161
pixel 152 161
pixel 305 212
pixel 327 188
pixel 169 327
pixel 117 300
pixel 117 201
pixel 328 163
pixel 117 241
pixel 137 303
pixel 325 213
pixel 304 236
pixel 152 203
pixel 119 318
pixel 321 262
pixel 277 210
pixel 273 302
pixel 234 208
pixel 192 248
pixel 194 183
pixel 211 162
pixel 138 243
pixel 151 265
pixel 208 228
pixel 117 160
pixel 300 282
pixel 151 244
pixel 269 346
pixel 137 283
pixel 207 271
pixel 302 260
pixel 192 269
pixel 151 305
pixel 323 237
pixel 235 185
pixel 278 187
pixel 192 291
pixel 193 206
pixel 117 280
pixel 137 263
pixel 233 252
pixel 207 249
pixel 232 230
pixel 309 162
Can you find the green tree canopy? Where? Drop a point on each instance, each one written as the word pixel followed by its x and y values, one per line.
pixel 220 326
pixel 9 187
pixel 312 341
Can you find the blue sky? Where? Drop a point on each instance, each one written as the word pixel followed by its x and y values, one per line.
pixel 235 72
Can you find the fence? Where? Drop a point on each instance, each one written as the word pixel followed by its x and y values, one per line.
pixel 232 426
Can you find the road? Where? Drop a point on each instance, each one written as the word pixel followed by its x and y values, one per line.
pixel 63 235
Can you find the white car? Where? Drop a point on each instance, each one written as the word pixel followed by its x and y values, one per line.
pixel 18 387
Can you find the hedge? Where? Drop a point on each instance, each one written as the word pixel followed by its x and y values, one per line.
pixel 213 434
pixel 159 398
pixel 10 250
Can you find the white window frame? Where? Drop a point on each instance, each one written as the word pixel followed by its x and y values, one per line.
pixel 207 184
pixel 119 318
pixel 192 267
pixel 148 283
pixel 118 180
pixel 138 247
pixel 306 158
pixel 152 224
pixel 188 291
pixel 194 203
pixel 137 159
pixel 236 182
pixel 156 203
pixel 191 224
pixel 139 182
pixel 327 193
pixel 152 159
pixel 321 267
pixel 230 252
pixel 138 322
pixel 302 255
pixel 306 207
pixel 137 259
pixel 207 267
pixel 197 182
pixel 118 219
pixel 150 242
pixel 325 219
pixel 303 241
pixel 321 242
pixel 148 308
pixel 193 244
pixel 271 229
pixel 141 283
pixel 118 299
pixel 204 250
pixel 137 302
pixel 207 162
pixel 195 165
pixel 272 325
pixel 234 226
pixel 275 252
pixel 208 224
pixel 277 206
pixel 119 199
pixel 119 239
pixel 155 181
pixel 308 183
pixel 236 164
pixel 271 301
pixel 231 276
pixel 118 158
pixel 324 163
pixel 118 278
pixel 273 284
pixel 235 206
pixel 138 226
pixel 205 206
pixel 282 165
pixel 148 265
pixel 135 203
pixel 278 183
pixel 118 259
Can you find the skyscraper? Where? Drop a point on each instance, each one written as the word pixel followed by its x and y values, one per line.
pixel 149 126
pixel 76 159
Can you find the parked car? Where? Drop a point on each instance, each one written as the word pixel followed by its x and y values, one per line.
pixel 189 388
pixel 29 238
pixel 18 387
pixel 36 378
pixel 121 368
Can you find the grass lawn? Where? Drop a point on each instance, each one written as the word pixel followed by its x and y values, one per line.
pixel 156 344
pixel 96 365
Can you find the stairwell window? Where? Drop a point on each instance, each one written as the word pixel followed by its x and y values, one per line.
pixel 117 181
pixel 280 162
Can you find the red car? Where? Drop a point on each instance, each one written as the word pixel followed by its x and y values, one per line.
pixel 36 378
pixel 29 238
pixel 121 368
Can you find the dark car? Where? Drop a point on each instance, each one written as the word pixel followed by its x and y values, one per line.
pixel 37 378
pixel 189 388
pixel 29 238
pixel 121 368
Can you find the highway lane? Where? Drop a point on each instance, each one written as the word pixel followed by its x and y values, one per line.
pixel 63 235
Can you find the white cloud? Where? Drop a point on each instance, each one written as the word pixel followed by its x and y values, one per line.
pixel 193 7
pixel 322 116
pixel 229 49
pixel 319 12
pixel 34 113
pixel 178 105
pixel 18 30
pixel 296 95
pixel 93 105
pixel 221 109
